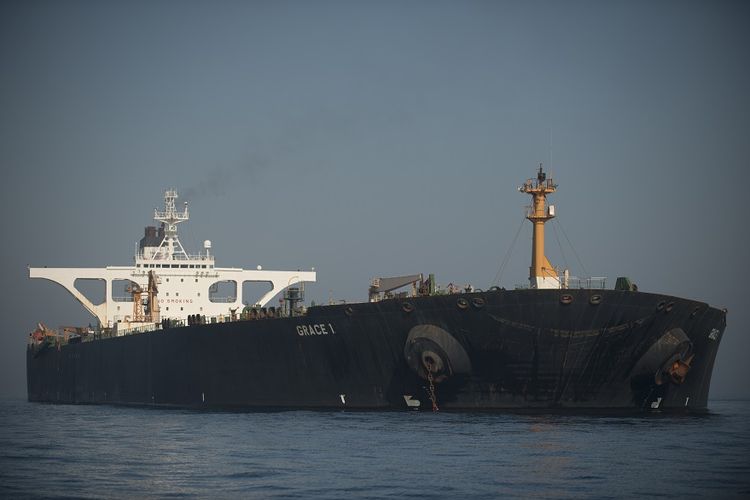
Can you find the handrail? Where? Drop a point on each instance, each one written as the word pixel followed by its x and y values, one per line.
pixel 590 283
pixel 223 300
pixel 177 256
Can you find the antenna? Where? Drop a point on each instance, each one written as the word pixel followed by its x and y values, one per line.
pixel 549 149
pixel 170 217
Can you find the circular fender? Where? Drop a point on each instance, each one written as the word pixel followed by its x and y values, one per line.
pixel 674 345
pixel 430 345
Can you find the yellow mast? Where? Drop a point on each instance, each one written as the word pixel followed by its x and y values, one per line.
pixel 542 274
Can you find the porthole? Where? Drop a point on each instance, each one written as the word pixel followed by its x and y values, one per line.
pixel 477 302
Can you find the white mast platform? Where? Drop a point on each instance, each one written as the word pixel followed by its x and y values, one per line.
pixel 185 282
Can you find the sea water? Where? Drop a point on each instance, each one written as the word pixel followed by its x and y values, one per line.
pixel 119 452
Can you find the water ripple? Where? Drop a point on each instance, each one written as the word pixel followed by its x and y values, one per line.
pixel 113 452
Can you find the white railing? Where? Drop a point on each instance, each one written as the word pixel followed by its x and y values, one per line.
pixel 150 327
pixel 591 283
pixel 223 300
pixel 175 256
pixel 174 323
pixel 179 256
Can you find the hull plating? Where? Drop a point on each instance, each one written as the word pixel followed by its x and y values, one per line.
pixel 522 349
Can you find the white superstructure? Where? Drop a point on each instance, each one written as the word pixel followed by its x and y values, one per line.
pixel 187 284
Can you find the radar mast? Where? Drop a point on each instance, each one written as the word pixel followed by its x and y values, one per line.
pixel 170 247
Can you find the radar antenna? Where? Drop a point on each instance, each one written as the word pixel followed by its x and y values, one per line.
pixel 170 247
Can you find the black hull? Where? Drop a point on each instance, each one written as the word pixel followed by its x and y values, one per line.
pixel 498 350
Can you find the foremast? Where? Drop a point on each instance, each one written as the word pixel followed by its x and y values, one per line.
pixel 542 274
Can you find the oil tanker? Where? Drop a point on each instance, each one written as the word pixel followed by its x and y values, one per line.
pixel 181 334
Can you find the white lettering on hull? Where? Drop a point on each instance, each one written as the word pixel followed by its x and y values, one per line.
pixel 315 329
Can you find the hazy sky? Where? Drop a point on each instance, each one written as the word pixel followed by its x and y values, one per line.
pixel 376 139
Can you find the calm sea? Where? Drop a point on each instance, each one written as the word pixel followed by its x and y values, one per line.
pixel 116 452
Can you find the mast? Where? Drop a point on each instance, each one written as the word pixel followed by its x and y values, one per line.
pixel 170 217
pixel 542 274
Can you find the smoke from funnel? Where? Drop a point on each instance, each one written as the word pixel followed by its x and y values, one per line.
pixel 222 179
pixel 314 127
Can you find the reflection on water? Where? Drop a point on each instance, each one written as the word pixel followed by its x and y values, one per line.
pixel 95 451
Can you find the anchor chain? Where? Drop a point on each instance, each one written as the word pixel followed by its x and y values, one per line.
pixel 431 389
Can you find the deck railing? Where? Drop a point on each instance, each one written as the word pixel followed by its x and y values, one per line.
pixel 591 283
pixel 574 282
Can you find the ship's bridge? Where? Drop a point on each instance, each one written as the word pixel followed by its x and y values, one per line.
pixel 182 284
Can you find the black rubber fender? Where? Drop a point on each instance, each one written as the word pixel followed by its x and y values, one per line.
pixel 434 346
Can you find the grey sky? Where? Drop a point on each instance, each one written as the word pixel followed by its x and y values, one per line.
pixel 378 138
